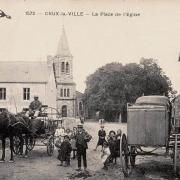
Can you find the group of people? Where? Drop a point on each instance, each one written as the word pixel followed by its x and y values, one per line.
pixel 110 146
pixel 76 142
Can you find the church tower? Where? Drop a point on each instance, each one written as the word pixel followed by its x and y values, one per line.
pixel 66 88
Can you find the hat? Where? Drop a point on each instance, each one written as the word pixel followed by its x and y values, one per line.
pixel 80 125
pixel 66 136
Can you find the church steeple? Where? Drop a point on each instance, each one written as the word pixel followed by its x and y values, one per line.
pixel 63 47
pixel 63 70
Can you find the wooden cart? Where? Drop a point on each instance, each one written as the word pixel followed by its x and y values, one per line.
pixel 148 125
pixel 50 118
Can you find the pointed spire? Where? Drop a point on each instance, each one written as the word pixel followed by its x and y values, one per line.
pixel 63 47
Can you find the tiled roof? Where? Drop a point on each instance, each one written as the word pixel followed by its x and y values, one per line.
pixel 23 71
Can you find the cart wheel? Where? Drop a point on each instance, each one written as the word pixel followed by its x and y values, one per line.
pixel 50 146
pixel 124 155
pixel 132 155
pixel 16 147
pixel 31 143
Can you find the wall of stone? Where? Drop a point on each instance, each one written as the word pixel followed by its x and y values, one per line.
pixel 70 107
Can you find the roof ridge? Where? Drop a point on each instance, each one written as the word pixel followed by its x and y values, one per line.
pixel 23 61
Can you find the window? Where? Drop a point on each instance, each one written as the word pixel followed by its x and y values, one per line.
pixel 2 93
pixel 62 67
pixel 61 93
pixel 80 106
pixel 26 93
pixel 67 67
pixel 64 92
pixel 2 110
pixel 68 94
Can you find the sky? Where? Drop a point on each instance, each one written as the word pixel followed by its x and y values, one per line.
pixel 93 40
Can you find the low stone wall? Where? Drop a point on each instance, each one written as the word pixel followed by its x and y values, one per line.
pixel 69 122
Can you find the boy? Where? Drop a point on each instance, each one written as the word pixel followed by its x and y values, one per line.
pixel 73 142
pixel 65 151
pixel 112 141
pixel 105 155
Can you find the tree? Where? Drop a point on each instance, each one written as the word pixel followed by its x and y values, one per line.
pixel 112 86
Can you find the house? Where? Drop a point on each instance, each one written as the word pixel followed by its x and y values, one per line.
pixel 51 80
pixel 21 80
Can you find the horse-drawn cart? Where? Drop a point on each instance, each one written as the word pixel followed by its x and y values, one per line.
pixel 149 127
pixel 40 132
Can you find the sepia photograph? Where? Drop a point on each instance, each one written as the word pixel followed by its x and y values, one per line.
pixel 89 89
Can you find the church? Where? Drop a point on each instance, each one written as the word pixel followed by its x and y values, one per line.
pixel 51 80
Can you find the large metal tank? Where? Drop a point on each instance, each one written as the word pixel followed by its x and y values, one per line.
pixel 148 121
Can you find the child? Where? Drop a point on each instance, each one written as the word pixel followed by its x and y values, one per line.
pixel 73 142
pixel 68 132
pixel 65 151
pixel 112 145
pixel 118 138
pixel 102 135
pixel 105 155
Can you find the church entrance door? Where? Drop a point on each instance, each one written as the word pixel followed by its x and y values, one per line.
pixel 64 111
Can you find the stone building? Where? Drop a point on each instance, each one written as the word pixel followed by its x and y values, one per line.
pixel 21 80
pixel 51 80
pixel 66 88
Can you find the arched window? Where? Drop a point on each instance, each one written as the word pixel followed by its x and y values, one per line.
pixel 64 92
pixel 62 67
pixel 64 111
pixel 61 94
pixel 67 67
pixel 80 106
pixel 68 93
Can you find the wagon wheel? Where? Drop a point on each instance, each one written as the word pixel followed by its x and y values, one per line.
pixel 30 143
pixel 16 144
pixel 132 155
pixel 124 155
pixel 50 146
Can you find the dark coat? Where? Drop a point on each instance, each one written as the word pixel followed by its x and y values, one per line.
pixel 82 139
pixel 112 146
pixel 65 150
pixel 35 105
pixel 102 135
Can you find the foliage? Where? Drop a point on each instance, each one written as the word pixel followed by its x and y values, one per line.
pixel 114 85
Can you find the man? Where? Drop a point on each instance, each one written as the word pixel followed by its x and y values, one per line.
pixel 34 107
pixel 82 138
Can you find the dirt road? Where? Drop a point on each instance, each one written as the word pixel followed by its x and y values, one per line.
pixel 39 166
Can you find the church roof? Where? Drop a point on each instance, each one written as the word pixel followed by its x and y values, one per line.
pixel 63 47
pixel 23 71
pixel 79 94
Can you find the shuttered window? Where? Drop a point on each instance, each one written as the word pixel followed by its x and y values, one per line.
pixel 26 93
pixel 2 93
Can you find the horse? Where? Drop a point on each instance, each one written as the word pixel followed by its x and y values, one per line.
pixel 7 130
pixel 23 131
pixel 27 128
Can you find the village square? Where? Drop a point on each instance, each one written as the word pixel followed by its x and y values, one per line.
pixel 89 93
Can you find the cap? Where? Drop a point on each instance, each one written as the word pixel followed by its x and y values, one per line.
pixel 80 125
